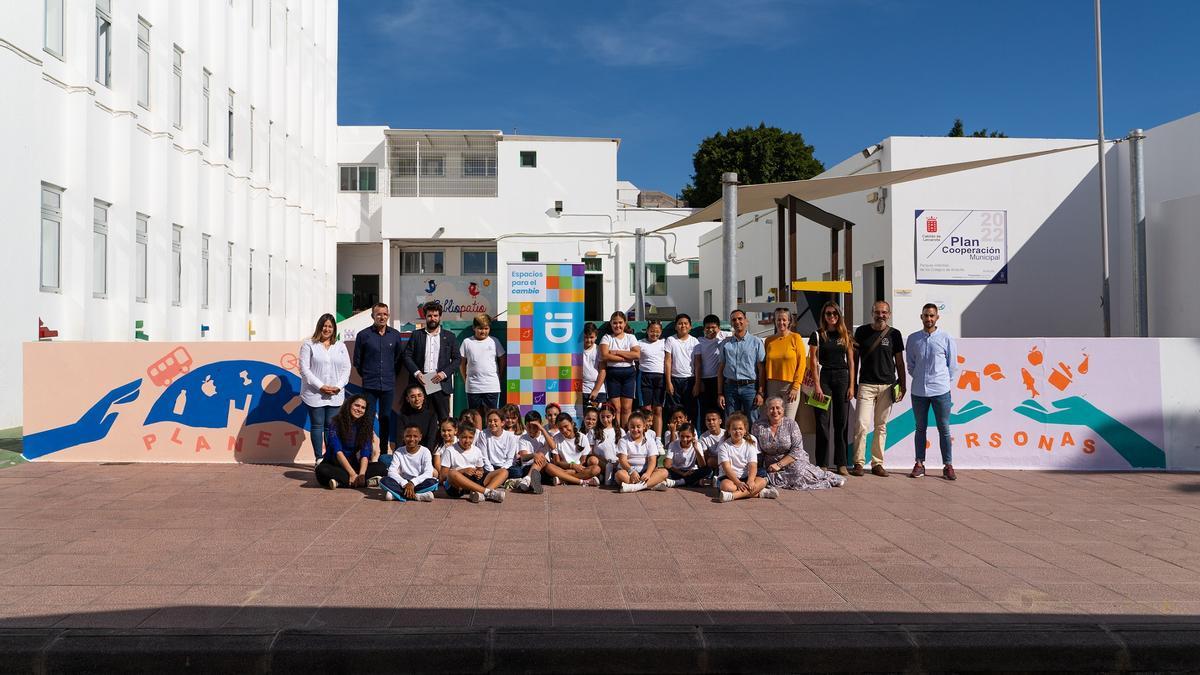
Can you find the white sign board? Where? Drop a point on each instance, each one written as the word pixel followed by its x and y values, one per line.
pixel 959 246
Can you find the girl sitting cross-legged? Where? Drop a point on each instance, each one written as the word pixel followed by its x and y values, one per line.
pixel 572 460
pixel 637 458
pixel 738 456
pixel 463 471
pixel 410 475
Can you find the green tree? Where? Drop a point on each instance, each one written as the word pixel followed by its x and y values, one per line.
pixel 957 131
pixel 758 154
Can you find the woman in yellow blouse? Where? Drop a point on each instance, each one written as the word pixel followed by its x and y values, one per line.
pixel 786 358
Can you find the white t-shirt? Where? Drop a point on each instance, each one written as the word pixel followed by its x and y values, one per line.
pixel 454 457
pixel 638 452
pixel 624 343
pixel 531 444
pixel 707 440
pixel 683 458
pixel 607 445
pixel 738 456
pixel 569 450
pixel 499 452
pixel 591 370
pixel 481 356
pixel 412 467
pixel 710 354
pixel 651 359
pixel 682 352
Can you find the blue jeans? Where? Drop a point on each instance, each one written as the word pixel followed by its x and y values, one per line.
pixel 941 413
pixel 391 485
pixel 483 402
pixel 741 399
pixel 320 417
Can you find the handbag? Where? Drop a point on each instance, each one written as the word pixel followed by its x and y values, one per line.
pixel 808 386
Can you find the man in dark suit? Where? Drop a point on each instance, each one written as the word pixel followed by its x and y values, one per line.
pixel 435 351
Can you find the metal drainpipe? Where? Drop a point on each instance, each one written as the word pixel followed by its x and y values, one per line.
pixel 1138 200
pixel 639 273
pixel 729 183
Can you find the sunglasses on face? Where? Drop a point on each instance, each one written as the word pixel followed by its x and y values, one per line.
pixel 831 313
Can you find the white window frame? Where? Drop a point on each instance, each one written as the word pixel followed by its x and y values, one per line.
pixel 100 248
pixel 141 263
pixel 103 52
pixel 206 102
pixel 51 224
pixel 176 265
pixel 490 261
pixel 656 288
pixel 205 250
pixel 433 166
pixel 143 63
pixel 52 29
pixel 355 173
pixel 472 169
pixel 422 262
pixel 177 84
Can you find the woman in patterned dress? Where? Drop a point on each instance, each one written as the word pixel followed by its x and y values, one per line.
pixel 783 455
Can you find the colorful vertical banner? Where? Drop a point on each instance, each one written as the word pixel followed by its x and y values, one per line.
pixel 545 324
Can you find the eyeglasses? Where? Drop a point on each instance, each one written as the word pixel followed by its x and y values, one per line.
pixel 831 313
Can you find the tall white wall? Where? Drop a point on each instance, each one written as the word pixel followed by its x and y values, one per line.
pixel 59 126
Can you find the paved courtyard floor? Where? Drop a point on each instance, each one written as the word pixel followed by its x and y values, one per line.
pixel 238 546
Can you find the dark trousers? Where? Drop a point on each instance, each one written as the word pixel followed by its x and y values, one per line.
pixel 440 401
pixel 692 479
pixel 331 469
pixel 393 486
pixel 835 384
pixel 708 398
pixel 682 399
pixel 483 402
pixel 379 402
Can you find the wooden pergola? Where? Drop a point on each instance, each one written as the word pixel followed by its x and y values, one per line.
pixel 791 206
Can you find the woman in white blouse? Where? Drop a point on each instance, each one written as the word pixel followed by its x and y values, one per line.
pixel 324 372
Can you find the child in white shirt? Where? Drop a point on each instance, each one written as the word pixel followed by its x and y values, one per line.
pixel 651 361
pixel 410 475
pixel 462 465
pixel 572 460
pixel 637 458
pixel 685 460
pixel 534 450
pixel 740 477
pixel 499 447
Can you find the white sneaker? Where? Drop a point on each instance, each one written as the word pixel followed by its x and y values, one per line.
pixel 476 497
pixel 557 481
pixel 591 482
pixel 726 496
pixel 632 487
pixel 388 496
pixel 661 487
pixel 332 485
pixel 769 493
pixel 494 496
pixel 525 484
pixel 424 496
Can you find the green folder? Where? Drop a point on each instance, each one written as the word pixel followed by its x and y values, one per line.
pixel 823 405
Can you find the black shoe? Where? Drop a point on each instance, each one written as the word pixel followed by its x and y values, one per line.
pixel 535 482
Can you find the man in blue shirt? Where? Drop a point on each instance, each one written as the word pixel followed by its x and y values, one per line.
pixel 741 379
pixel 932 360
pixel 377 360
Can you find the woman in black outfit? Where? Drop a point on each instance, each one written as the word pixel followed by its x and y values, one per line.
pixel 832 347
pixel 415 411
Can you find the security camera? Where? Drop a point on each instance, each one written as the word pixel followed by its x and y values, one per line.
pixel 871 149
pixel 558 207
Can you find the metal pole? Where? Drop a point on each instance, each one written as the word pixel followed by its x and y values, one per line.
pixel 385 273
pixel 1104 294
pixel 1138 200
pixel 729 183
pixel 639 272
pixel 616 277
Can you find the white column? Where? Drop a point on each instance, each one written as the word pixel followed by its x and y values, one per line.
pixel 385 274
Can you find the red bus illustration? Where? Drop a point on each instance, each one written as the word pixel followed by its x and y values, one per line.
pixel 164 371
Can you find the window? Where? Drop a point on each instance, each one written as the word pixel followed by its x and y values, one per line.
pixel 143 64
pixel 433 165
pixel 741 291
pixel 479 165
pixel 422 262
pixel 528 159
pixel 51 236
pixel 252 139
pixel 204 250
pixel 529 256
pixel 479 262
pixel 177 95
pixel 693 269
pixel 358 178
pixel 250 284
pixel 99 248
pixel 206 103
pixel 593 264
pixel 229 277
pixel 141 246
pixel 656 278
pixel 176 265
pixel 404 166
pixel 103 42
pixel 52 38
pixel 758 286
pixel 229 128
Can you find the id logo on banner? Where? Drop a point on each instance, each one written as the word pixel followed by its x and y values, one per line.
pixel 545 324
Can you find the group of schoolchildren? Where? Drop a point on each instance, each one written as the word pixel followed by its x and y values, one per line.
pixel 482 456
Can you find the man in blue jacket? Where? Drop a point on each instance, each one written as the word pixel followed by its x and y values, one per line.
pixel 432 354
pixel 377 360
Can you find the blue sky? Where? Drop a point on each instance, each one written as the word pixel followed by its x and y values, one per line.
pixel 846 73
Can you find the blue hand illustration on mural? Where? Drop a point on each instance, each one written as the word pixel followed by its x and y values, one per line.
pixel 92 426
pixel 904 425
pixel 202 397
pixel 1078 411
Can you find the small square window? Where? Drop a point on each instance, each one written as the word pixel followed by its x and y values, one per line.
pixel 529 256
pixel 758 286
pixel 528 159
pixel 693 269
pixel 422 262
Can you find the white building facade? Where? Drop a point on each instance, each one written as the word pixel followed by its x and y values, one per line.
pixel 1051 236
pixel 438 215
pixel 170 171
